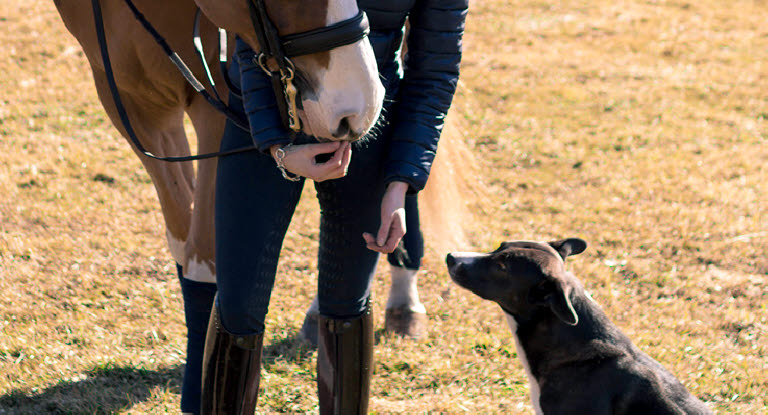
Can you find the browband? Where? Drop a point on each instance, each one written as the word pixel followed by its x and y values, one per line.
pixel 326 38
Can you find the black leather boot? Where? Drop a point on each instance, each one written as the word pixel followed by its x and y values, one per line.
pixel 231 370
pixel 345 364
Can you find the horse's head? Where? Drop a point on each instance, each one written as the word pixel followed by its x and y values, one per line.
pixel 341 94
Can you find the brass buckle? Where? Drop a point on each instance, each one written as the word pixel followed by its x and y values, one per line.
pixel 290 93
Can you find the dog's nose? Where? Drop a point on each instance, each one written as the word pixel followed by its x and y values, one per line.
pixel 450 260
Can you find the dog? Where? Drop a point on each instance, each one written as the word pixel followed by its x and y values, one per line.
pixel 577 361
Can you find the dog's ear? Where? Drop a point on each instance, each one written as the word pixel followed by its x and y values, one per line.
pixel 570 246
pixel 551 293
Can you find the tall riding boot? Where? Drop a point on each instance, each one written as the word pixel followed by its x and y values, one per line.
pixel 345 364
pixel 231 370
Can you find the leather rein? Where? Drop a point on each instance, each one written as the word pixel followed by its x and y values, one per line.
pixel 274 48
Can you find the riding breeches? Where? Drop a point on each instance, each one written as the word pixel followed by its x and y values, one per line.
pixel 254 206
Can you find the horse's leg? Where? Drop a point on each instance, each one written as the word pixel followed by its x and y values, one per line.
pixel 160 129
pixel 199 251
pixel 200 254
pixel 405 314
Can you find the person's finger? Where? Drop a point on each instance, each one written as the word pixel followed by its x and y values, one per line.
pixel 396 233
pixel 370 242
pixel 336 167
pixel 375 248
pixel 335 160
pixel 347 158
pixel 323 148
pixel 381 236
pixel 328 172
pixel 369 239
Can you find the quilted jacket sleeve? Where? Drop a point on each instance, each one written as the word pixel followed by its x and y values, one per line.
pixel 427 89
pixel 258 98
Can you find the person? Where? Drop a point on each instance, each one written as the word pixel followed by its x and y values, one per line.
pixel 362 191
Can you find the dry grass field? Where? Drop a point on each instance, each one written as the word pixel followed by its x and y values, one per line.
pixel 640 126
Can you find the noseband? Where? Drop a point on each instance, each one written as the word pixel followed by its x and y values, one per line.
pixel 280 49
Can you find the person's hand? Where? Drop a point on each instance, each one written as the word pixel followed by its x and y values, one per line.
pixel 300 160
pixel 392 226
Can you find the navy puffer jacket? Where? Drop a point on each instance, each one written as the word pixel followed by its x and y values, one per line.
pixel 422 89
pixel 429 78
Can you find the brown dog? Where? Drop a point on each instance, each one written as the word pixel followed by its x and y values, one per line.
pixel 577 361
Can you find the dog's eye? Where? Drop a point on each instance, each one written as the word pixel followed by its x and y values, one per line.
pixel 502 265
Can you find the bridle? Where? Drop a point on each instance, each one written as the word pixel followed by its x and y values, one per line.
pixel 274 48
pixel 279 50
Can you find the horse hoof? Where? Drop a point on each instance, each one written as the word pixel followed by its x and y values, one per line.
pixel 309 328
pixel 405 322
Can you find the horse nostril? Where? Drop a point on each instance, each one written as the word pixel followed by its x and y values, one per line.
pixel 343 129
pixel 450 260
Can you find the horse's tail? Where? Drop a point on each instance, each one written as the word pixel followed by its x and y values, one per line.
pixel 453 184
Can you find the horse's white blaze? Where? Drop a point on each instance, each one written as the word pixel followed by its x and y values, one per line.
pixel 404 292
pixel 533 387
pixel 348 88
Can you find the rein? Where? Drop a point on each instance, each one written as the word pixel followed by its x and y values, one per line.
pixel 274 48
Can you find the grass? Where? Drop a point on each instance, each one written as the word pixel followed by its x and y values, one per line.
pixel 639 126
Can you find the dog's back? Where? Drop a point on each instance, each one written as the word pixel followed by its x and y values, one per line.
pixel 609 374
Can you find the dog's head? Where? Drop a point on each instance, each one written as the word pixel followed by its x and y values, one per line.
pixel 521 276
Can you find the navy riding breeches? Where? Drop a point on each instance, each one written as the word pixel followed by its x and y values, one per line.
pixel 254 206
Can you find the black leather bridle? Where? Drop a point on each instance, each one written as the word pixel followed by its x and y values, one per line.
pixel 274 48
pixel 280 50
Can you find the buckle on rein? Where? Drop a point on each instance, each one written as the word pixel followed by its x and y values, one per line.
pixel 290 93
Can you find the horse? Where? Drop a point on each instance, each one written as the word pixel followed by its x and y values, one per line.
pixel 156 96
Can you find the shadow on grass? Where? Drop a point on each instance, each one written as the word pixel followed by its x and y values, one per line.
pixel 295 349
pixel 292 349
pixel 379 335
pixel 105 390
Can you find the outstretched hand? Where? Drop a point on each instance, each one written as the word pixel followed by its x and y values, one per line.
pixel 392 226
pixel 300 160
